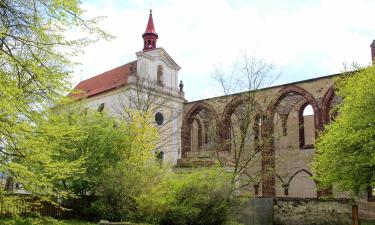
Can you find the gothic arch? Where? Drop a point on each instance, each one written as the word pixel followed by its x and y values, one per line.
pixel 326 104
pixel 300 171
pixel 224 129
pixel 308 100
pixel 187 123
pixel 288 186
pixel 268 154
pixel 303 142
pixel 294 89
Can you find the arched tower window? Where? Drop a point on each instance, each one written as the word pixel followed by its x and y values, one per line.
pixel 306 126
pixel 160 75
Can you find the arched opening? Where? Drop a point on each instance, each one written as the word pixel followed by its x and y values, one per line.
pixel 296 108
pixel 301 184
pixel 149 43
pixel 239 117
pixel 191 136
pixel 329 103
pixel 306 127
pixel 284 115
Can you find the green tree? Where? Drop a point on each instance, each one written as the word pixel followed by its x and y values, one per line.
pixel 346 149
pixel 38 158
pixel 34 74
pixel 134 171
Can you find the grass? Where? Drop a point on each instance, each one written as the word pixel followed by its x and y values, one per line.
pixel 40 221
pixel 368 222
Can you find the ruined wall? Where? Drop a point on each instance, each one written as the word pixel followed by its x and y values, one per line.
pixel 292 148
pixel 299 211
pixel 296 211
pixel 282 168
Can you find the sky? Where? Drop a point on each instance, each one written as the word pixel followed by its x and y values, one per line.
pixel 304 39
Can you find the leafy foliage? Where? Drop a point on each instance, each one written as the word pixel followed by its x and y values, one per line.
pixel 201 197
pixel 34 74
pixel 38 159
pixel 39 221
pixel 346 149
pixel 134 171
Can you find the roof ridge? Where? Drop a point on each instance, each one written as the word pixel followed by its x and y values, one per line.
pixel 106 81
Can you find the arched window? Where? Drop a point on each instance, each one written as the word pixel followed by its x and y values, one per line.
pixel 160 75
pixel 306 127
pixel 159 118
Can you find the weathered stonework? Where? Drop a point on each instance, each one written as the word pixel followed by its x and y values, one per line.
pixel 283 162
pixel 312 212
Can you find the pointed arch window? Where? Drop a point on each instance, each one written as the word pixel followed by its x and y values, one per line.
pixel 306 126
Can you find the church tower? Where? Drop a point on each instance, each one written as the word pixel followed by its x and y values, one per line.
pixel 157 69
pixel 149 36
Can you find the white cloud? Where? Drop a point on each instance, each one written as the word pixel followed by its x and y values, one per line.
pixel 198 34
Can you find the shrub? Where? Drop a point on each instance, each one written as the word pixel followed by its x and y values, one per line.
pixel 201 197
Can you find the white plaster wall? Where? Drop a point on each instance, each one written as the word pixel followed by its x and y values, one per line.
pixel 170 131
pixel 172 100
pixel 148 62
pixel 113 101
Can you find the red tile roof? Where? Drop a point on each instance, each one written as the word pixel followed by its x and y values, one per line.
pixel 104 82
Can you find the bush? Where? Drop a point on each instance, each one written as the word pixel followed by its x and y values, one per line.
pixel 39 221
pixel 200 198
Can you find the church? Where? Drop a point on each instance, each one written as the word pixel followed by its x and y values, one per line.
pixel 203 132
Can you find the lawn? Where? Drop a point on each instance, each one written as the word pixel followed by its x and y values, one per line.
pixel 41 221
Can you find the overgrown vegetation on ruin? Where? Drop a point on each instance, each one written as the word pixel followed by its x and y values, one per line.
pixel 346 149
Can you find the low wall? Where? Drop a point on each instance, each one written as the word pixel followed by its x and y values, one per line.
pixel 105 222
pixel 297 211
pixel 302 211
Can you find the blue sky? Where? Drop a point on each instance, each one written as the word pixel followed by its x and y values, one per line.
pixel 305 39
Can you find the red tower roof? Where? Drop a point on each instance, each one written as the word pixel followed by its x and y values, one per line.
pixel 150 29
pixel 149 36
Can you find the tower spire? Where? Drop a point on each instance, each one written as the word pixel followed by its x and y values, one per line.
pixel 149 36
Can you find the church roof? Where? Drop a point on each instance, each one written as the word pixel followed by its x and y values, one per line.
pixel 104 82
